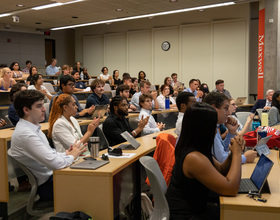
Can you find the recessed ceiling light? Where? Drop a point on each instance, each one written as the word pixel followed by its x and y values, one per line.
pixel 38 23
pixel 201 10
pixel 20 5
pixel 75 17
pixel 119 10
pixel 173 0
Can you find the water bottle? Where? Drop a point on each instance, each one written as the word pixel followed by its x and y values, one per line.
pixel 94 146
pixel 82 75
pixel 167 102
pixel 256 122
pixel 265 117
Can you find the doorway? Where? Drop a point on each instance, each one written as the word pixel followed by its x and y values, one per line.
pixel 49 51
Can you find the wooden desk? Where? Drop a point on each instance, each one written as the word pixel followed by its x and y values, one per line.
pixel 93 191
pixel 242 207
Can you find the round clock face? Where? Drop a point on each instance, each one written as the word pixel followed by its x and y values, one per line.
pixel 165 46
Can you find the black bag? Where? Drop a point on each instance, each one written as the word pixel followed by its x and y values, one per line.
pixel 71 216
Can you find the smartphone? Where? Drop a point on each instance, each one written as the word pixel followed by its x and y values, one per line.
pixel 89 158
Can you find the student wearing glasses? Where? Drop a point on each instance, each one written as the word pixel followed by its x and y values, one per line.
pixel 67 85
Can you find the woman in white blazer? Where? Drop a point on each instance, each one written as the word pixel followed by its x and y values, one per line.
pixel 161 98
pixel 64 129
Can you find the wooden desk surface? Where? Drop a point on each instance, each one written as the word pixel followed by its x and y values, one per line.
pixel 242 207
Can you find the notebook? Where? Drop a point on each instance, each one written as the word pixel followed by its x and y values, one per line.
pixel 90 164
pixel 133 144
pixel 99 110
pixel 240 100
pixel 258 177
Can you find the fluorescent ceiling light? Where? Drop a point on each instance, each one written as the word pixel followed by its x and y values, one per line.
pixel 5 15
pixel 71 2
pixel 147 15
pixel 47 6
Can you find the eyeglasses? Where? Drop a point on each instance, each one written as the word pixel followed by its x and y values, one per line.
pixel 70 84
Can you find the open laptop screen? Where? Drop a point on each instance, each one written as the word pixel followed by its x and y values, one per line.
pixel 261 171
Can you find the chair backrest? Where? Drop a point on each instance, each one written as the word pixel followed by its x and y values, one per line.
pixel 242 117
pixel 33 192
pixel 47 107
pixel 159 187
pixel 153 88
pixel 90 81
pixel 49 87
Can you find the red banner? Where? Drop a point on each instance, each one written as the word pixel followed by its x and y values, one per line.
pixel 261 53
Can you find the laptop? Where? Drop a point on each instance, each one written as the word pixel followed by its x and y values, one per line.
pixel 99 110
pixel 262 147
pixel 133 143
pixel 240 100
pixel 5 98
pixel 89 164
pixel 258 177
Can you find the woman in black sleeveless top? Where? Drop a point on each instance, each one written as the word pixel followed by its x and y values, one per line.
pixel 196 171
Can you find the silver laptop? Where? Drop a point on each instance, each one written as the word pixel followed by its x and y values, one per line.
pixel 90 164
pixel 262 147
pixel 99 110
pixel 240 100
pixel 133 143
pixel 258 177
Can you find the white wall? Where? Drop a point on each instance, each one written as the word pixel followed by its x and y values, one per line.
pixel 208 51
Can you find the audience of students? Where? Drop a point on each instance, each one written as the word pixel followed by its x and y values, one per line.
pixel 145 102
pixel 273 114
pixel 32 71
pixel 104 76
pixel 264 103
pixel 220 149
pixel 116 123
pixel 124 92
pixel 145 88
pixel 161 99
pixel 67 85
pixel 183 101
pixel 97 97
pixel 12 114
pixel 15 68
pixel 6 80
pixel 196 172
pixel 64 129
pixel 220 87
pixel 52 69
pixel 30 146
pixel 37 84
pixel 79 85
pixel 28 66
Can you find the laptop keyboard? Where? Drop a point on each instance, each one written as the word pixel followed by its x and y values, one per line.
pixel 246 185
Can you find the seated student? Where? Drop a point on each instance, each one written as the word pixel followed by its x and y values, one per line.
pixel 142 76
pixel 116 80
pixel 220 87
pixel 6 80
pixel 78 67
pixel 220 149
pixel 175 83
pixel 79 86
pixel 28 66
pixel 134 86
pixel 12 114
pixel 105 77
pixel 145 101
pixel 196 171
pixel 165 91
pixel 116 123
pixel 86 74
pixel 16 72
pixel 124 92
pixel 33 70
pixel 168 82
pixel 65 70
pixel 264 103
pixel 52 69
pixel 273 114
pixel 37 84
pixel 64 129
pixel 67 85
pixel 30 146
pixel 145 88
pixel 97 97
pixel 183 101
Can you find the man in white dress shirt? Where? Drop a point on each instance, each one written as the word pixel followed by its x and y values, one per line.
pixel 183 101
pixel 30 146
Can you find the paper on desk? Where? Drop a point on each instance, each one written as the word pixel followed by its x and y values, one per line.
pixel 124 155
pixel 86 90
